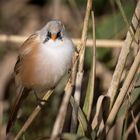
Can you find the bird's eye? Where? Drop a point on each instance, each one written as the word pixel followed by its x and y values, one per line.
pixel 59 35
pixel 49 35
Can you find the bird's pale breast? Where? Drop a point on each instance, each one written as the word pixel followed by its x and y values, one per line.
pixel 45 65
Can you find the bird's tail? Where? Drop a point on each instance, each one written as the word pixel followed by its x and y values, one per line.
pixel 17 104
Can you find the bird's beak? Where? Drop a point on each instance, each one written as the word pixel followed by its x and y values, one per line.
pixel 53 37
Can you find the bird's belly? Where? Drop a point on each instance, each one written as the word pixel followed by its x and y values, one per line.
pixel 44 72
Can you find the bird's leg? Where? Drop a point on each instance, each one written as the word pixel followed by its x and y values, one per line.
pixel 40 102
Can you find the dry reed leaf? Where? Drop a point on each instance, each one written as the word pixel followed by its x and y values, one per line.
pixel 101 107
pixel 81 117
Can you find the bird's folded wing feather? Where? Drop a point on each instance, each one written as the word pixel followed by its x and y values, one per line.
pixel 22 92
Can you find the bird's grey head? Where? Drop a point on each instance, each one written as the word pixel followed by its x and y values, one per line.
pixel 53 30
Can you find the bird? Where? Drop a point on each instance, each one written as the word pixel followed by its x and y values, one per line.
pixel 43 60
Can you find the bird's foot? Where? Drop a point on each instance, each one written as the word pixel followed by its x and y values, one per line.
pixel 41 102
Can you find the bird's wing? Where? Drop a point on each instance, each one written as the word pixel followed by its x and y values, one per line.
pixel 21 92
pixel 26 48
pixel 28 45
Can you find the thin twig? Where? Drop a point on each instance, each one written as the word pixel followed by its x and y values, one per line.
pixel 94 57
pixel 99 42
pixel 130 102
pixel 84 35
pixel 131 127
pixel 135 125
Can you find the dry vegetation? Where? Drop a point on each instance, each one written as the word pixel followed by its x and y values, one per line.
pixel 80 112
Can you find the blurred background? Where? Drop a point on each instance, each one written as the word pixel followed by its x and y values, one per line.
pixel 25 17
